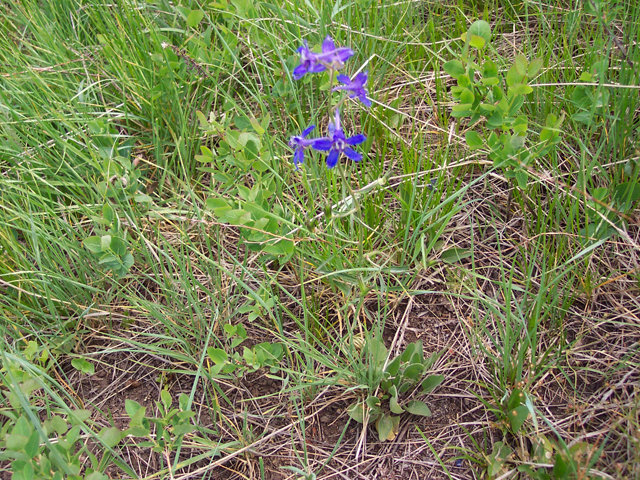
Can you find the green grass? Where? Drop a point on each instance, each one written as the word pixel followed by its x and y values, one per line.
pixel 111 104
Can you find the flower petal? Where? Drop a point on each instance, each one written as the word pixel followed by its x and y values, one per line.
pixel 365 100
pixel 328 45
pixel 332 158
pixel 356 139
pixel 298 157
pixel 308 130
pixel 299 72
pixel 361 79
pixel 343 79
pixel 352 154
pixel 322 144
pixel 343 54
pixel 317 68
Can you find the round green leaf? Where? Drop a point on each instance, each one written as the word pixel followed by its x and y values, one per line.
pixel 481 29
pixel 455 68
pixel 473 140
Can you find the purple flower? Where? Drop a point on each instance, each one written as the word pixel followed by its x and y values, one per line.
pixel 331 57
pixel 299 143
pixel 337 143
pixel 355 87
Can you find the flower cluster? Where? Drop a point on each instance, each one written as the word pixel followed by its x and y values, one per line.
pixel 331 58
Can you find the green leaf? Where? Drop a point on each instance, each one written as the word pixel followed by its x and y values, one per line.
pixel 131 407
pixel 79 416
pixel 414 371
pixel 496 120
pixel 110 436
pixel 416 407
pixel 489 69
pixel 431 382
pixel 107 213
pixel 356 411
pixel 521 64
pixel 519 89
pixel 454 255
pixel 83 366
pixel 477 42
pixel 586 77
pixel 473 140
pixel 455 68
pixel 517 416
pixel 165 398
pixel 93 244
pixel 534 67
pixel 217 355
pixel 377 351
pixel 481 29
pixel 96 476
pixel 384 425
pixel 522 177
pixel 394 406
pixel 194 18
pixel 561 467
pixel 498 457
pixel 393 367
pixel 467 96
pixel 513 76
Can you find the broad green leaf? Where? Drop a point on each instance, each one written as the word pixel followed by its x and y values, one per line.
pixel 416 407
pixel 110 436
pixel 467 96
pixel 83 366
pixel 482 29
pixel 519 89
pixel 455 68
pixel 217 355
pixel 522 178
pixel 93 244
pixel 473 140
pixel 498 457
pixel 496 120
pixel 477 42
pixel 96 476
pixel 385 427
pixel 513 76
pixel 517 416
pixel 377 351
pixel 414 371
pixel 586 77
pixel 183 429
pixel 79 416
pixel 393 367
pixel 534 67
pixel 165 398
pixel 431 382
pixel 107 212
pixel 194 18
pixel 394 406
pixel 356 411
pixel 561 467
pixel 521 64
pixel 131 407
pixel 489 69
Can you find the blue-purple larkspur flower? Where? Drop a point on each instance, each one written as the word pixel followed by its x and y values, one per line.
pixel 355 87
pixel 337 144
pixel 299 143
pixel 330 57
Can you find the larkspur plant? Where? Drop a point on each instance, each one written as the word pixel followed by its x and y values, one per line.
pixel 331 58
